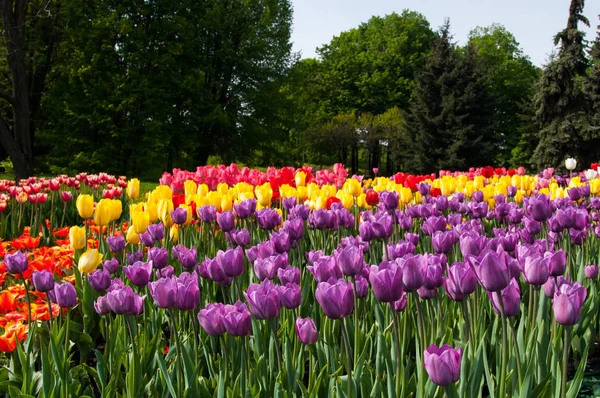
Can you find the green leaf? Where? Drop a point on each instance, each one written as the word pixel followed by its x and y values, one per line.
pixel 575 384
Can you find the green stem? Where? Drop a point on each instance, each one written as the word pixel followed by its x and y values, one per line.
pixel 398 354
pixel 277 348
pixel 356 350
pixel 467 328
pixel 135 350
pixel 67 362
pixel 348 364
pixel 179 358
pixel 563 390
pixel 517 355
pixel 421 327
pixel 30 319
pixel 502 376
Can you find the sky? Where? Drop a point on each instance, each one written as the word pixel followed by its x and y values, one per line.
pixel 533 22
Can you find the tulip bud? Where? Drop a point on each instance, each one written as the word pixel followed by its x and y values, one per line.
pixel 89 261
pixel 85 206
pixel 77 237
pixel 133 188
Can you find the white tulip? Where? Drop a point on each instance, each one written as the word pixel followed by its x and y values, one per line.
pixel 590 174
pixel 570 164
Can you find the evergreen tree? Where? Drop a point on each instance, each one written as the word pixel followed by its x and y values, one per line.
pixel 592 85
pixel 561 105
pixel 449 117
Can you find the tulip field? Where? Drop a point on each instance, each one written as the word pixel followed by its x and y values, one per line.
pixel 234 282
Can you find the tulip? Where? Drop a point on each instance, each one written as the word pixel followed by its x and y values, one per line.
pixel 226 221
pixel 350 260
pixel 336 298
pixel 139 273
pixel 443 364
pixel 556 262
pixel 103 213
pixel 211 319
pixel 491 269
pixel 266 268
pixel 237 320
pixel 591 271
pixel 290 295
pixel 134 257
pixel 66 196
pixel 85 206
pixel 157 231
pixel 187 257
pixel 240 237
pixel 65 295
pixel 111 265
pixel 123 301
pixel 306 330
pixel 232 261
pixel 295 228
pixel 77 237
pixel 400 304
pixel 99 280
pixel 133 188
pixel 116 243
pixel 443 242
pixel 288 274
pixel 535 270
pixel 590 174
pixel 268 219
pixel 246 208
pixel 208 213
pixel 325 268
pixel 132 237
pixel 188 292
pixel 159 256
pixel 413 268
pixel 511 299
pixel 102 306
pixel 146 239
pixel 89 261
pixel 567 303
pixel 570 164
pixel 43 281
pixel 141 221
pixel 16 263
pixel 164 292
pixel 264 193
pixel 386 281
pixel 281 241
pixel 179 216
pixel 263 300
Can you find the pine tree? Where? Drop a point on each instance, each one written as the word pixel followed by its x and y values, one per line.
pixel 449 115
pixel 592 85
pixel 560 101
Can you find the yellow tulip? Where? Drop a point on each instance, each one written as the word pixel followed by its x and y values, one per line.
pixel 361 201
pixel 226 203
pixel 347 200
pixel 222 188
pixel 214 199
pixel 77 237
pixel 352 187
pixel 116 209
pixel 103 213
pixel 165 207
pixel 140 220
pixel 202 189
pixel 190 187
pixel 302 192
pixel 188 213
pixel 132 237
pixel 85 206
pixel 264 193
pixel 300 179
pixel 133 188
pixel 89 261
pixel 152 209
pixel 174 233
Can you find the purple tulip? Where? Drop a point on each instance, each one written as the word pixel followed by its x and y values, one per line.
pixel 386 281
pixel 491 269
pixel 295 228
pixel 263 300
pixel 16 263
pixel 567 303
pixel 433 276
pixel 166 272
pixel 187 257
pixel 556 262
pixel 157 231
pixel 289 203
pixel 231 261
pixel 289 274
pixel 43 281
pixel 240 237
pixel 207 213
pixel 400 304
pixel 159 257
pixel 281 241
pixel 413 272
pixel 306 331
pixel 268 219
pixel 116 243
pixel 539 208
pixel 350 260
pixel 443 242
pixel 99 280
pixel 300 211
pixel 245 209
pixel 511 299
pixel 591 271
pixel 461 280
pixel 365 229
pixel 472 244
pixel 211 319
pixel 290 295
pixel 336 298
pixel 477 196
pixel 226 221
pixel 188 292
pixel 383 227
pixel 146 239
pixel 399 249
pixel 134 257
pixel 443 364
pixel 211 269
pixel 102 306
pixel 164 292
pixel 237 319
pixel 267 268
pixel 65 294
pixel 535 270
pixel 179 215
pixel 389 199
pixel 111 265
pixel 124 301
pixel 325 268
pixel 139 273
pixel 511 191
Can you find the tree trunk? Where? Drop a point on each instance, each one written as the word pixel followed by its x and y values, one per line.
pixel 18 145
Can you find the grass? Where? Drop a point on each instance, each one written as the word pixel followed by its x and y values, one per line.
pixel 147 186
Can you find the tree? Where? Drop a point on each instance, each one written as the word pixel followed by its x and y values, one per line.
pixel 30 35
pixel 510 77
pixel 392 130
pixel 592 85
pixel 561 106
pixel 449 117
